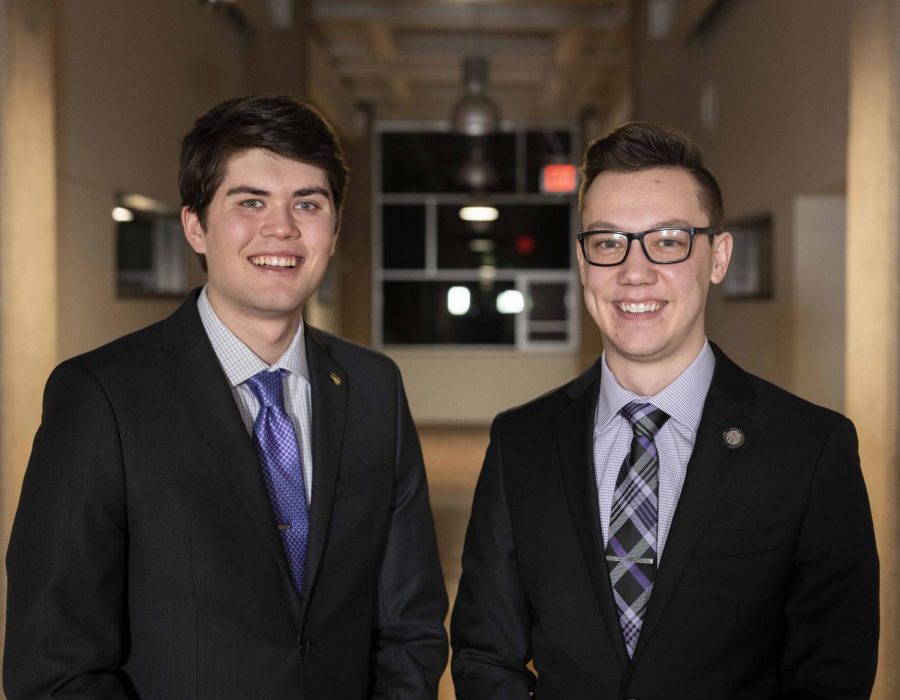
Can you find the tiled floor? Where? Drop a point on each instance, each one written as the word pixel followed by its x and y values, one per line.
pixel 453 458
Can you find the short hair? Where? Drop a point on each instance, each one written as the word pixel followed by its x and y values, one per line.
pixel 640 146
pixel 281 124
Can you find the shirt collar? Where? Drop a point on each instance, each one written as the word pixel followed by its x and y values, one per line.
pixel 238 361
pixel 682 399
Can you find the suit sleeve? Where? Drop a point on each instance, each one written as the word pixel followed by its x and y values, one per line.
pixel 66 634
pixel 831 643
pixel 491 626
pixel 410 642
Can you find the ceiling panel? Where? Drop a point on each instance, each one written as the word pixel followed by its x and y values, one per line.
pixel 548 60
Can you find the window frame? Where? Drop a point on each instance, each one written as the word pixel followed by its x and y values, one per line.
pixel 523 279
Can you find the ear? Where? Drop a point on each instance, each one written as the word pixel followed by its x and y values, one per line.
pixel 334 240
pixel 337 233
pixel 721 256
pixel 193 230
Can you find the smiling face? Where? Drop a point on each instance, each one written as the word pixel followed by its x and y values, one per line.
pixel 650 316
pixel 270 232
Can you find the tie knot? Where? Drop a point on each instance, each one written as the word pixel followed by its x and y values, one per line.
pixel 645 418
pixel 267 387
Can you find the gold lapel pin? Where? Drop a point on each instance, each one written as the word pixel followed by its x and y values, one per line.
pixel 733 438
pixel 336 379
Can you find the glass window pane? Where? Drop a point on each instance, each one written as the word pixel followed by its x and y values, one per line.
pixel 403 236
pixel 418 313
pixel 548 301
pixel 151 259
pixel 431 161
pixel 525 236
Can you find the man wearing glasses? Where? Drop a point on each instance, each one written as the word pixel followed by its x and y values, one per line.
pixel 665 526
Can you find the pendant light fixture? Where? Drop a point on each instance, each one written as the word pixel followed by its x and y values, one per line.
pixel 475 114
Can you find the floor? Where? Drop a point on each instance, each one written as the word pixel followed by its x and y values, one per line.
pixel 453 458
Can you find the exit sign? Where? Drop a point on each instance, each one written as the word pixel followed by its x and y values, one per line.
pixel 559 178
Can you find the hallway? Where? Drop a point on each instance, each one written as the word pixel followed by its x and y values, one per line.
pixel 794 103
pixel 453 456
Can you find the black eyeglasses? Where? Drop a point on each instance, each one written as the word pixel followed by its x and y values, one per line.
pixel 663 246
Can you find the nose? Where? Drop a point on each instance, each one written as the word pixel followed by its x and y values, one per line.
pixel 280 223
pixel 636 268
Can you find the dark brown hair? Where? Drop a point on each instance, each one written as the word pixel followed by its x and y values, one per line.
pixel 278 123
pixel 639 146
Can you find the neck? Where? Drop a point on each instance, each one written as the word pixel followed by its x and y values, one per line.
pixel 647 378
pixel 267 336
pixel 268 341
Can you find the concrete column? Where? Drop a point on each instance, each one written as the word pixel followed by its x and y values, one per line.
pixel 27 238
pixel 873 270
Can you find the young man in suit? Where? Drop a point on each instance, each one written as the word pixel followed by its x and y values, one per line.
pixel 231 503
pixel 666 526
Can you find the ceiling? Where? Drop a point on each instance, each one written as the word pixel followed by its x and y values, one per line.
pixel 549 60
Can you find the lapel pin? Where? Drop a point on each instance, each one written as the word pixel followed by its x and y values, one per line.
pixel 733 438
pixel 336 379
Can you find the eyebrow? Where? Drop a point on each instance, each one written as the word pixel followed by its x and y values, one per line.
pixel 666 223
pixel 257 192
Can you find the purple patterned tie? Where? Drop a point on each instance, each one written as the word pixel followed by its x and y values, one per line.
pixel 631 548
pixel 279 457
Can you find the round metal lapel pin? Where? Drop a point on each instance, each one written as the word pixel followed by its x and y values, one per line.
pixel 733 438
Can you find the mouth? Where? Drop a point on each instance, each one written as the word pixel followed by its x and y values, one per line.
pixel 641 307
pixel 275 261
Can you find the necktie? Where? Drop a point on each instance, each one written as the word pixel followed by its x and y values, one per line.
pixel 279 457
pixel 631 555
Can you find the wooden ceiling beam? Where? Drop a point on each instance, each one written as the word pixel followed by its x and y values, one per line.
pixel 481 16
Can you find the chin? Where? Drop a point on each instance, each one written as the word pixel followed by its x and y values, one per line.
pixel 278 304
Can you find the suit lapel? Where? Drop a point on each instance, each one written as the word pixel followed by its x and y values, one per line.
pixel 329 385
pixel 710 469
pixel 576 451
pixel 202 385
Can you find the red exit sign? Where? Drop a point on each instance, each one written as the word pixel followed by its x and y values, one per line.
pixel 559 178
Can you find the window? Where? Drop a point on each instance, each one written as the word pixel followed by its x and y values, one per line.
pixel 443 280
pixel 151 257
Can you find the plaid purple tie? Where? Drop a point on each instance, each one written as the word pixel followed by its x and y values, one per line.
pixel 631 548
pixel 279 457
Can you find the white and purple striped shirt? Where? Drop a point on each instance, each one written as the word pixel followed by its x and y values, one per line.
pixel 683 400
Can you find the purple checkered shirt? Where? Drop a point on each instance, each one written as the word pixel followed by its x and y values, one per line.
pixel 683 400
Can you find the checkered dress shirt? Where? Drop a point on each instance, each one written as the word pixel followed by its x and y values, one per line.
pixel 683 400
pixel 240 363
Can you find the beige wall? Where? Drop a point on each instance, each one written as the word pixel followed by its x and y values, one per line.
pixel 27 238
pixel 873 332
pixel 779 70
pixel 817 313
pixel 470 387
pixel 132 78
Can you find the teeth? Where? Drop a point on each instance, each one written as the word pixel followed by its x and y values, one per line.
pixel 274 261
pixel 640 308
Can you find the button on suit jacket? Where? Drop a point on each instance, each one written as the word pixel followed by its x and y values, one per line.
pixel 767 588
pixel 145 561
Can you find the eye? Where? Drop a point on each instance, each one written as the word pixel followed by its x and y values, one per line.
pixel 604 244
pixel 306 205
pixel 251 203
pixel 669 239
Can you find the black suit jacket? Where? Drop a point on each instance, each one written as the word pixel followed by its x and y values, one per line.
pixel 767 588
pixel 145 562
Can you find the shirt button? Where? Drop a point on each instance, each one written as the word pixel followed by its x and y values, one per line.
pixel 304 646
